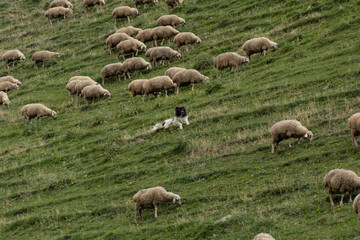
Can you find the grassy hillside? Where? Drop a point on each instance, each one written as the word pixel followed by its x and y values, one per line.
pixel 74 177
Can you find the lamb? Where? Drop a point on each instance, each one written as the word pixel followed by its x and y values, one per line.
pixel 173 70
pixel 157 84
pixel 12 56
pixel 79 78
pixel 230 59
pixel 144 35
pixel 189 76
pixel 114 69
pixel 91 3
pixel 288 129
pixel 10 79
pixel 82 84
pixel 258 45
pixel 162 33
pixel 4 99
pixel 173 3
pixel 356 204
pixel 60 3
pixel 152 197
pixel 42 56
pixel 93 92
pixel 7 86
pixel 129 46
pixel 341 181
pixel 171 20
pixel 354 125
pixel 263 236
pixel 157 54
pixel 115 39
pixel 136 2
pixel 134 64
pixel 36 110
pixel 57 12
pixel 130 30
pixel 185 38
pixel 124 12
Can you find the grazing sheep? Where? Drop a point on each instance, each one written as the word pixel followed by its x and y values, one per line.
pixel 60 3
pixel 258 45
pixel 130 30
pixel 114 69
pixel 129 46
pixel 230 59
pixel 91 3
pixel 135 64
pixel 136 88
pixel 173 70
pixel 152 197
pixel 341 181
pixel 79 78
pixel 7 86
pixel 157 54
pixel 57 12
pixel 12 56
pixel 115 39
pixel 263 236
pixel 162 33
pixel 173 3
pixel 124 12
pixel 81 85
pixel 42 56
pixel 288 129
pixel 157 84
pixel 354 125
pixel 93 92
pixel 36 110
pixel 171 20
pixel 137 2
pixel 189 76
pixel 144 35
pixel 185 38
pixel 71 88
pixel 356 204
pixel 10 79
pixel 4 99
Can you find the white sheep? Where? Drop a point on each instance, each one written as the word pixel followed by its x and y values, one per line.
pixel 230 59
pixel 162 33
pixel 173 70
pixel 57 12
pixel 91 3
pixel 157 84
pixel 115 39
pixel 173 3
pixel 60 3
pixel 130 30
pixel 79 78
pixel 137 2
pixel 136 88
pixel 185 38
pixel 145 35
pixel 356 204
pixel 171 20
pixel 130 46
pixel 354 125
pixel 36 110
pixel 263 236
pixel 10 79
pixel 158 54
pixel 124 12
pixel 114 69
pixel 7 86
pixel 94 92
pixel 12 56
pixel 288 129
pixel 152 198
pixel 258 45
pixel 189 76
pixel 135 64
pixel 42 56
pixel 4 99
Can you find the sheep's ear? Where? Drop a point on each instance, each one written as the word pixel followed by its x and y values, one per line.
pixel 174 200
pixel 306 135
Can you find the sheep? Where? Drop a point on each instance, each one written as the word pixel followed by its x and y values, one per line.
pixel 10 79
pixel 157 84
pixel 79 78
pixel 152 197
pixel 128 46
pixel 12 56
pixel 7 86
pixel 36 110
pixel 157 54
pixel 354 125
pixel 173 3
pixel 288 129
pixel 42 56
pixel 133 64
pixel 136 2
pixel 4 99
pixel 136 88
pixel 91 3
pixel 114 69
pixel 230 59
pixel 130 30
pixel 115 39
pixel 185 38
pixel 189 76
pixel 124 12
pixel 258 45
pixel 162 33
pixel 60 3
pixel 171 20
pixel 144 35
pixel 81 85
pixel 341 181
pixel 71 88
pixel 263 236
pixel 57 12
pixel 93 92
pixel 356 204
pixel 173 70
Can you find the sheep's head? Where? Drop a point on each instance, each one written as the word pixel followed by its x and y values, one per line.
pixel 177 55
pixel 57 55
pixel 206 79
pixel 246 61
pixel 182 21
pixel 107 94
pixel 181 1
pixel 102 2
pixel 53 114
pixel 309 136
pixel 177 199
pixel 174 85
pixel 17 82
pixel 22 57
pixel 155 1
pixel 198 40
pixel 274 45
pixel 7 103
pixel 136 11
pixel 143 47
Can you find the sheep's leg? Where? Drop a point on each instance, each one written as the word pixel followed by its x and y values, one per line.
pixel 103 80
pixel 342 198
pixel 354 141
pixel 115 20
pixel 6 65
pixel 132 99
pixel 187 49
pixel 177 90
pixel 289 142
pixel 144 97
pixel 193 85
pixel 331 199
pixel 162 42
pixel 35 65
pixel 166 93
pixel 140 209
pixel 155 205
pixel 43 63
pixel 110 51
pixel 137 51
pixel 123 56
pixel 272 148
pixel 118 56
pixel 350 200
pixel 128 18
pixel 13 63
pixel 136 210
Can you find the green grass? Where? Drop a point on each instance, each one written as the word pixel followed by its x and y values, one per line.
pixel 74 177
